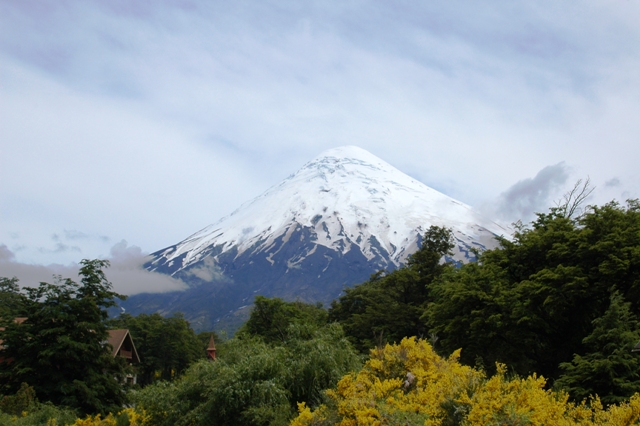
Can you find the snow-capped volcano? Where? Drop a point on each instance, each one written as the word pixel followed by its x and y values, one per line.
pixel 349 199
pixel 343 216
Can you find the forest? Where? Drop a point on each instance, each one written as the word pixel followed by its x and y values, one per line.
pixel 540 330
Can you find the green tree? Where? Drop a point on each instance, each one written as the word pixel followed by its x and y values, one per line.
pixel 60 349
pixel 167 346
pixel 389 306
pixel 12 301
pixel 254 382
pixel 532 301
pixel 608 368
pixel 270 318
pixel 473 310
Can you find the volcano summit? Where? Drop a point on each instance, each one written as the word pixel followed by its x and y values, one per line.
pixel 343 216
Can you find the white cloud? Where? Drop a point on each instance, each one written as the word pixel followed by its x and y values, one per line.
pixel 129 277
pixel 126 271
pixel 533 195
pixel 208 271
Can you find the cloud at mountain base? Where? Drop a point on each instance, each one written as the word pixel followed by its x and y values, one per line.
pixel 126 272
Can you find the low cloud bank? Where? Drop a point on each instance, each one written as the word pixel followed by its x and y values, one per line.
pixel 126 272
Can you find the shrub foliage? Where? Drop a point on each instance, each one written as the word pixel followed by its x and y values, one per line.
pixel 408 383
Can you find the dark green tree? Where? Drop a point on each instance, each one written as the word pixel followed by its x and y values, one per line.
pixel 608 368
pixel 270 318
pixel 389 306
pixel 167 346
pixel 60 350
pixel 12 301
pixel 532 301
pixel 473 310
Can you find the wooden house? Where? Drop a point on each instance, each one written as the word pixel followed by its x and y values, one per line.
pixel 123 346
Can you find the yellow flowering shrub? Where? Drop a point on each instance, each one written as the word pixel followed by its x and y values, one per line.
pixel 519 401
pixel 135 418
pixel 96 421
pixel 409 383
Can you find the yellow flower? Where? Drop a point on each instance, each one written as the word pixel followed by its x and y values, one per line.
pixel 409 383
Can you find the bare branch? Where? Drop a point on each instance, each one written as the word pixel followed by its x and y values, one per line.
pixel 572 202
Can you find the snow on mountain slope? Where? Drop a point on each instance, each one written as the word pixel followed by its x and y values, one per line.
pixel 348 199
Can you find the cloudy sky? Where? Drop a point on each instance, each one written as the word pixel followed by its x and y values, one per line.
pixel 126 126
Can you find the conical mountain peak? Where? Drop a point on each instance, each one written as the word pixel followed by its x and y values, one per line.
pixel 347 197
pixel 334 166
pixel 348 152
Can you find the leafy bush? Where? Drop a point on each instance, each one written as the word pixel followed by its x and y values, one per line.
pixel 40 414
pixel 252 382
pixel 22 401
pixel 409 383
